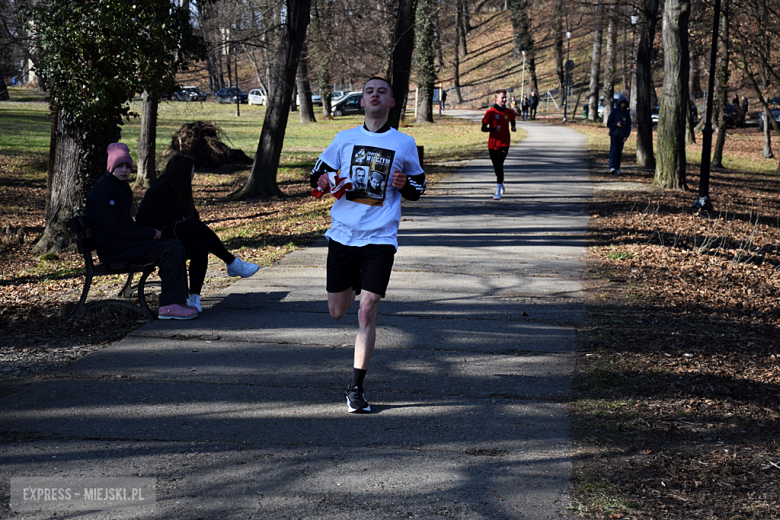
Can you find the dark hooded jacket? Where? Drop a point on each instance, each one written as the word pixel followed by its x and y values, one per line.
pixel 620 116
pixel 119 238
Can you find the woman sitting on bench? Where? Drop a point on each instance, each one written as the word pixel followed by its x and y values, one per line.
pixel 168 205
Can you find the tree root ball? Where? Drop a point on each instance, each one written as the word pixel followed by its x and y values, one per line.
pixel 203 142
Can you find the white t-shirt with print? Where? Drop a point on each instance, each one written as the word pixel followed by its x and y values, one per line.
pixel 372 212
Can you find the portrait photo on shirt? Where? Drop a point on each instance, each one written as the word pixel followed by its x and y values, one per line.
pixel 359 177
pixel 376 162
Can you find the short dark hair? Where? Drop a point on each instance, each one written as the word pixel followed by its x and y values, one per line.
pixel 380 79
pixel 501 91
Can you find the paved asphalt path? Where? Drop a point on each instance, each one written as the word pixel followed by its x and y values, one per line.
pixel 240 414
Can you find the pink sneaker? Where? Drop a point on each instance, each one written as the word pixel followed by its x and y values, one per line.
pixel 177 312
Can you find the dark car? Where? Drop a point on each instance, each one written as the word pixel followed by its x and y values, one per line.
pixel 228 95
pixel 656 109
pixel 191 94
pixel 775 114
pixel 349 104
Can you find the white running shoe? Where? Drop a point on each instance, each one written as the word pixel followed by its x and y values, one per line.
pixel 240 268
pixel 497 196
pixel 194 301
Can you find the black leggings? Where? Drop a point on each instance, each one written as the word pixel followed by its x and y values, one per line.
pixel 498 157
pixel 198 240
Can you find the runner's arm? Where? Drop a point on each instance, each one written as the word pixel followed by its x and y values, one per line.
pixel 320 168
pixel 414 188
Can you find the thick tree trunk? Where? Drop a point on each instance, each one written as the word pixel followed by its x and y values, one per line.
pixel 147 141
pixel 644 86
pixel 424 59
pixel 767 153
pixel 609 60
pixel 262 177
pixel 456 51
pixel 3 90
pixel 723 85
pixel 670 171
pixel 67 191
pixel 401 62
pixel 560 56
pixel 595 64
pixel 55 115
pixel 304 88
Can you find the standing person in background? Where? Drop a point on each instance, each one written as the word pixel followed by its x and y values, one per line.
pixel 619 123
pixel 534 103
pixel 497 121
pixel 120 239
pixel 744 108
pixel 363 237
pixel 526 106
pixel 168 205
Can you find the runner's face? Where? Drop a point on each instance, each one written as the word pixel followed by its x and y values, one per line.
pixel 501 99
pixel 377 98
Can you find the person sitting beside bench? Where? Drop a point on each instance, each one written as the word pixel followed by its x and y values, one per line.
pixel 121 239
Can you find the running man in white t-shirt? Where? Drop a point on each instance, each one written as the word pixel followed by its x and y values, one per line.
pixel 362 240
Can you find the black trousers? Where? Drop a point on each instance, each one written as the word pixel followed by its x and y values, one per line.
pixel 198 241
pixel 498 157
pixel 170 258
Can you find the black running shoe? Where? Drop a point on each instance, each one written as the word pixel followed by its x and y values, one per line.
pixel 356 401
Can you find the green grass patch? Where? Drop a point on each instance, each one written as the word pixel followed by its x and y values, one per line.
pixel 619 255
pixel 602 496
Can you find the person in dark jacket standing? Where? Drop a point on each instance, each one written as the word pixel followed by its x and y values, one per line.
pixel 534 103
pixel 526 106
pixel 619 123
pixel 169 207
pixel 121 239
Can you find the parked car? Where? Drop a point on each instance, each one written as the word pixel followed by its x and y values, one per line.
pixel 228 95
pixel 654 114
pixel 349 104
pixel 316 99
pixel 600 109
pixel 336 96
pixel 775 114
pixel 192 93
pixel 257 97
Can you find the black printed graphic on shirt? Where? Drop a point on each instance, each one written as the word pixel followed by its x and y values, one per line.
pixel 369 170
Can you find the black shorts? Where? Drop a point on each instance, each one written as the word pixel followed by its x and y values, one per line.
pixel 367 267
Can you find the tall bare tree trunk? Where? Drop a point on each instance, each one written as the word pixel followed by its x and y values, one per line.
pixel 147 141
pixel 456 50
pixel 304 88
pixel 722 78
pixel 560 57
pixel 670 171
pixel 401 62
pixel 262 177
pixel 644 86
pixel 595 63
pixel 609 60
pixel 424 58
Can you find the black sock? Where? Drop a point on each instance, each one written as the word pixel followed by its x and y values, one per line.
pixel 357 378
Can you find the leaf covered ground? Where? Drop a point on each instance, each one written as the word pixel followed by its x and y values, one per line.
pixel 678 383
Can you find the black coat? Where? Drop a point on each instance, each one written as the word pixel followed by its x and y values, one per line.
pixel 119 238
pixel 156 209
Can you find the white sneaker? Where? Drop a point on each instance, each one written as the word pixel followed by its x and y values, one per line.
pixel 497 196
pixel 240 268
pixel 194 301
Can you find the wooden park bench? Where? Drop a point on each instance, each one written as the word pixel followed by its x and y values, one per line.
pixel 86 245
